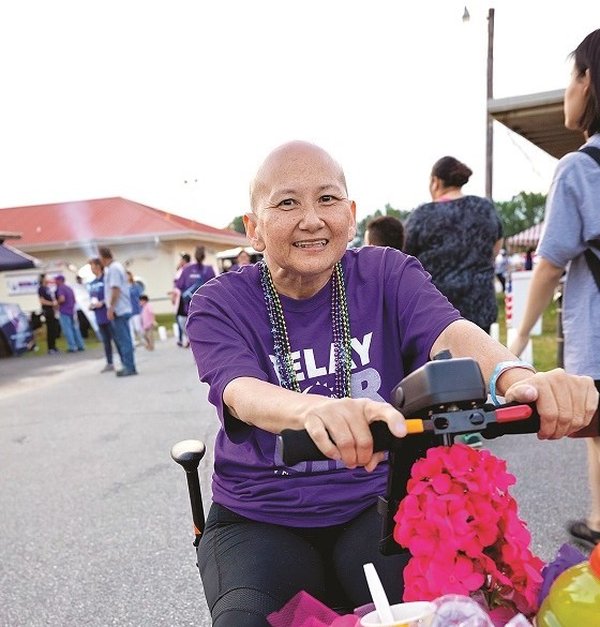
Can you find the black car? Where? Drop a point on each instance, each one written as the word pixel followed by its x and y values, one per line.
pixel 16 335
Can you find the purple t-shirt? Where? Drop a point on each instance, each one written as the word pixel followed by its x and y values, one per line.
pixel 68 306
pixel 191 275
pixel 396 314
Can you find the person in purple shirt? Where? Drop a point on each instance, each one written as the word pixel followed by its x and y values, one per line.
pixel 315 337
pixel 192 277
pixel 67 315
pixel 243 259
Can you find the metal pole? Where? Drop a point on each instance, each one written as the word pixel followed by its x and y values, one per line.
pixel 489 139
pixel 560 340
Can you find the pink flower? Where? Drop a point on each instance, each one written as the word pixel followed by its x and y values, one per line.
pixel 463 576
pixel 463 531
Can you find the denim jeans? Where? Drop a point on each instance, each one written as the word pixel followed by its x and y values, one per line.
pixel 70 329
pixel 122 338
pixel 183 338
pixel 107 336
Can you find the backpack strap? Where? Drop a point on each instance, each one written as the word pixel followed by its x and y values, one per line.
pixel 593 263
pixel 592 260
pixel 592 152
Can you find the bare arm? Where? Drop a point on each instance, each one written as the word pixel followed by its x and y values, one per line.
pixel 566 403
pixel 544 280
pixel 497 247
pixel 465 339
pixel 345 421
pixel 112 301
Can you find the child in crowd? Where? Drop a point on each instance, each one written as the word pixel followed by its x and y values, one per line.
pixel 148 322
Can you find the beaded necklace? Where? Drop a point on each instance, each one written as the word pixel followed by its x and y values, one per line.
pixel 340 321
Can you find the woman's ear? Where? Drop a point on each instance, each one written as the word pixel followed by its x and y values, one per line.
pixel 352 225
pixel 253 231
pixel 587 81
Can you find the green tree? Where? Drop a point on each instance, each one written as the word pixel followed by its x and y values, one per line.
pixel 521 211
pixel 237 224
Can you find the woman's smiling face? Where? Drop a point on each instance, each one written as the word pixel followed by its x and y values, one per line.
pixel 302 218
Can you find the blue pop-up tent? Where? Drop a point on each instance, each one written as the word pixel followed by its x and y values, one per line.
pixel 13 259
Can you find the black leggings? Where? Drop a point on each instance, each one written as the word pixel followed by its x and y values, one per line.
pixel 251 569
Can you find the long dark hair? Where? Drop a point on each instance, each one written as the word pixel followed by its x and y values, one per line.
pixel 587 57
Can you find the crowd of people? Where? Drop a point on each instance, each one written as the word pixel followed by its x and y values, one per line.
pixel 120 315
pixel 71 310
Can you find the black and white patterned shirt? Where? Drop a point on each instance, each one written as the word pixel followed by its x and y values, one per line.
pixel 454 241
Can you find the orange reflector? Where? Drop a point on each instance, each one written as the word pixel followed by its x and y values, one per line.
pixel 414 425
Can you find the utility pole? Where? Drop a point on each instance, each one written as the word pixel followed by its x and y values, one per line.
pixel 489 138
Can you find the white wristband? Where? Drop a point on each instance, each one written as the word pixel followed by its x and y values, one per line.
pixel 503 366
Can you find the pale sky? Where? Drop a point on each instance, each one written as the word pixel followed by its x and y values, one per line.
pixel 133 97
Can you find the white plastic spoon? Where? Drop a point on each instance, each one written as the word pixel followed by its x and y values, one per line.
pixel 382 605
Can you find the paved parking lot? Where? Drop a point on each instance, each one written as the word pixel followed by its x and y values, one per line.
pixel 95 516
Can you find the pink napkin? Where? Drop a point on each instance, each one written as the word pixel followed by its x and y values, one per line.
pixel 303 610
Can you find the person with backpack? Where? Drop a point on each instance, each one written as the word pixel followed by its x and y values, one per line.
pixel 571 239
pixel 191 278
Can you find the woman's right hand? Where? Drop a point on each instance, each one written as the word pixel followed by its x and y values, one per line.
pixel 340 428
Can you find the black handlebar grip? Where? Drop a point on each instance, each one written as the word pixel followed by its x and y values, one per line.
pixel 497 429
pixel 532 425
pixel 298 446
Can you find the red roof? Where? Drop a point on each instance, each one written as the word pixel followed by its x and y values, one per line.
pixel 103 219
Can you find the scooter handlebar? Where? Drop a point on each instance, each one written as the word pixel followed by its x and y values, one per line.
pixel 490 422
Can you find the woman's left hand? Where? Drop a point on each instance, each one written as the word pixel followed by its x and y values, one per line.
pixel 566 403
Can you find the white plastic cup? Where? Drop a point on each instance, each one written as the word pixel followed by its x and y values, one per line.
pixel 162 333
pixel 413 614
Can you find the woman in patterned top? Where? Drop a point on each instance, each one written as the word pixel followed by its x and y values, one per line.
pixel 456 238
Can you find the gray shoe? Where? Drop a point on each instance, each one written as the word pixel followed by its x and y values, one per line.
pixel 125 373
pixel 108 368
